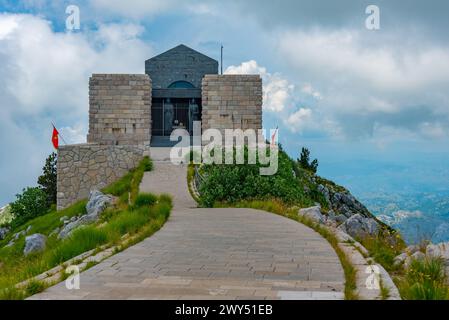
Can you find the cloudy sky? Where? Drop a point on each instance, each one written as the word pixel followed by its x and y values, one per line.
pixel 373 106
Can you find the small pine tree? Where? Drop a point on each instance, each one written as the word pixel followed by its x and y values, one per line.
pixel 47 180
pixel 304 161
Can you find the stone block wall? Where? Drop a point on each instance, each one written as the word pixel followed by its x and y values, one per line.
pixel 84 167
pixel 119 109
pixel 232 102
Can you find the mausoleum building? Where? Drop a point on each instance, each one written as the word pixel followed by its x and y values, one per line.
pixel 132 114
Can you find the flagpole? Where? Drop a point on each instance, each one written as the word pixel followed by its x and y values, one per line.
pixel 59 133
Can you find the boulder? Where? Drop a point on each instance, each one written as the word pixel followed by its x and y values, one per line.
pixel 97 202
pixel 359 226
pixel 312 213
pixel 440 250
pixel 400 259
pixel 34 243
pixel 340 218
pixel 3 232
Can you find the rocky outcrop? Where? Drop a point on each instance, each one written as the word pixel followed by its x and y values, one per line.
pixel 359 226
pixel 414 252
pixel 312 213
pixel 3 232
pixel 34 243
pixel 97 203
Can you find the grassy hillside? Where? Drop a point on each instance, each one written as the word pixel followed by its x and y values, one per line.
pixel 131 214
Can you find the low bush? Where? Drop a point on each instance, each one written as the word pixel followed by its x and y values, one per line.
pixel 32 202
pixel 235 182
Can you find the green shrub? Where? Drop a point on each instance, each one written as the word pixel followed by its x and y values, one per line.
pixel 425 280
pixel 81 240
pixel 305 163
pixel 145 199
pixel 28 205
pixel 165 198
pixel 147 164
pixel 234 182
pixel 47 180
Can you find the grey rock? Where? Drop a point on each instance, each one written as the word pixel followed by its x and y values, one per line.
pixel 97 203
pixel 325 191
pixel 54 232
pixel 11 243
pixel 440 250
pixel 64 219
pixel 313 213
pixel 340 218
pixel 412 249
pixel 357 225
pixel 34 243
pixel 3 232
pixel 331 215
pixel 400 259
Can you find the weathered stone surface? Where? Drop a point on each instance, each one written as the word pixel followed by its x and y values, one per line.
pixel 357 225
pixel 231 101
pixel 34 243
pixel 97 203
pixel 312 213
pixel 84 167
pixel 119 110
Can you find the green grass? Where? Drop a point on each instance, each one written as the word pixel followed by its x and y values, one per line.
pixel 278 207
pixel 145 199
pixel 81 240
pixel 123 218
pixel 383 250
pixel 425 280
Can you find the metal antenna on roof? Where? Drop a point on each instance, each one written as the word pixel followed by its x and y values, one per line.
pixel 221 59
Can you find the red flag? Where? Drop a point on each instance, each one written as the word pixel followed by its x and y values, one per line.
pixel 55 138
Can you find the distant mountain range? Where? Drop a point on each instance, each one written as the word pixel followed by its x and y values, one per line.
pixel 419 216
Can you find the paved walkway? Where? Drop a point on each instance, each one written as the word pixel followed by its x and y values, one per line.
pixel 213 254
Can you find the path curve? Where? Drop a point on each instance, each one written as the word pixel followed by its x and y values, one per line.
pixel 213 254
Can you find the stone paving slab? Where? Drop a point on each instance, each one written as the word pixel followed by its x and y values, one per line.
pixel 213 254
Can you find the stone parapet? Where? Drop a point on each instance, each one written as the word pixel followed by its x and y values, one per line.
pixel 84 167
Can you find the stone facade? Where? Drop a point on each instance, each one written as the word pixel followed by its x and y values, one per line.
pixel 119 109
pixel 232 102
pixel 84 167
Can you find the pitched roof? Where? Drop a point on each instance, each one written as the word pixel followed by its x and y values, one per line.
pixel 181 48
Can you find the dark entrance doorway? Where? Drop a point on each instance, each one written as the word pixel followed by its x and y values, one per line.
pixel 168 114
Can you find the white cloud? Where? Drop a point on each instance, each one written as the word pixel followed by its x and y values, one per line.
pixel 308 89
pixel 277 91
pixel 367 85
pixel 298 120
pixel 43 78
